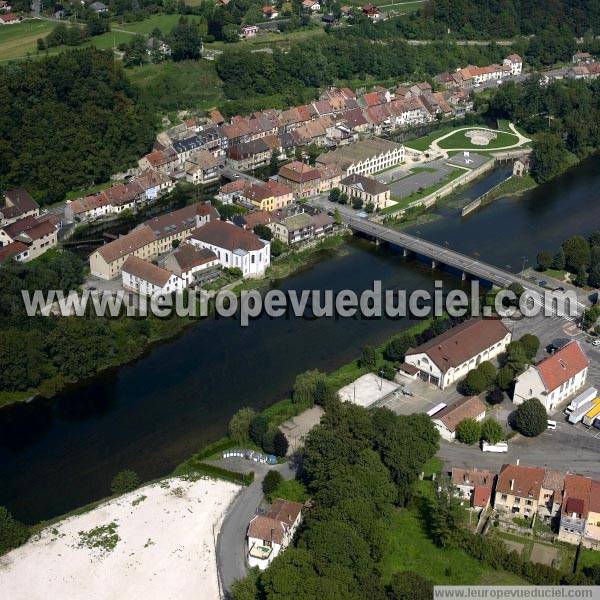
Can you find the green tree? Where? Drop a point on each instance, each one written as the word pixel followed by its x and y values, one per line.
pixel 474 383
pixel 184 40
pixel 337 216
pixel 491 431
pixel 368 358
pixel 530 418
pixel 577 253
pixel 271 482
pixel 548 157
pixel 263 232
pixel 125 481
pixel 357 203
pixel 594 276
pixel 343 199
pixel 239 425
pixel 505 377
pixel 530 344
pixel 258 428
pixel 559 260
pixel 396 348
pixel 334 195
pixel 305 387
pixel 495 396
pixel 468 431
pixel 280 444
pixel 408 585
pixel 273 164
pixel 12 532
pixel 544 260
pixel 487 369
pixel 515 357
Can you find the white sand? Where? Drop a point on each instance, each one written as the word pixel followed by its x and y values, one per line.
pixel 166 549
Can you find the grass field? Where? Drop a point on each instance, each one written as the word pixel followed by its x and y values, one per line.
pixel 424 142
pixel 186 84
pixel 164 22
pixel 17 40
pixel 411 550
pixel 460 140
pixel 588 558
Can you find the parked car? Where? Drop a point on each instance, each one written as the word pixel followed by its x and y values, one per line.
pixel 542 282
pixel 551 425
pixel 596 343
pixel 499 447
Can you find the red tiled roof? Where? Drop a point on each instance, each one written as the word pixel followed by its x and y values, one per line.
pixel 562 365
pixel 146 270
pixel 481 496
pixel 472 477
pixel 466 408
pixel 87 203
pixel 11 250
pixel 527 481
pixel 459 344
pixel 595 497
pixel 226 235
pixel 577 495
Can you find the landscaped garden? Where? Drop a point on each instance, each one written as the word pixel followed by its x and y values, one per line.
pixel 488 140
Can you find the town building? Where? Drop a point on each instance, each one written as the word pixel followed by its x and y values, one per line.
pixel 580 512
pixel 151 238
pixel 555 378
pixel 29 237
pixel 582 57
pixel 447 358
pixel 268 196
pixel 446 421
pixel 17 204
pixel 301 227
pixel 202 167
pixel 473 485
pixel 9 19
pixel 518 490
pixel 187 260
pixel 306 180
pixel 146 279
pixel 235 247
pixel 367 156
pixel 269 534
pixel 367 189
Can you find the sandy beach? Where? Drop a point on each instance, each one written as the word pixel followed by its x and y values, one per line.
pixel 156 543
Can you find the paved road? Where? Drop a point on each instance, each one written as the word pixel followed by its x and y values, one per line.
pixel 231 542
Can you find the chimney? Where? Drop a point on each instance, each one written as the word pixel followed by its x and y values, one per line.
pixel 518 461
pixel 512 484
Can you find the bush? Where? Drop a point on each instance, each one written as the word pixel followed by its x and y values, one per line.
pixel 258 429
pixel 239 425
pixel 368 358
pixel 408 585
pixel 504 378
pixel 396 348
pixel 388 372
pixel 530 418
pixel 491 431
pixel 474 383
pixel 125 481
pixel 271 482
pixel 544 260
pixel 13 533
pixel 488 371
pixel 280 443
pixel 530 344
pixel 468 431
pixel 495 396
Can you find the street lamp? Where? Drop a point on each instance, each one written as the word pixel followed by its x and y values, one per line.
pixel 525 259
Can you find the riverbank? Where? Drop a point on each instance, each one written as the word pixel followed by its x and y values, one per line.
pixel 159 330
pixel 155 542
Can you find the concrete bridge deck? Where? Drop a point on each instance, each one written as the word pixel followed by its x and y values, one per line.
pixel 438 254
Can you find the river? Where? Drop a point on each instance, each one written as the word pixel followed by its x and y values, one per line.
pixel 56 455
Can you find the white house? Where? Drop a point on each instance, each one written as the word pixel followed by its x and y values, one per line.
pixel 515 62
pixel 446 421
pixel 269 534
pixel 235 247
pixel 187 260
pixel 448 357
pixel 555 378
pixel 145 278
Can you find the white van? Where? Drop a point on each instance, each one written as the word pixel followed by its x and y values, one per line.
pixel 551 425
pixel 499 447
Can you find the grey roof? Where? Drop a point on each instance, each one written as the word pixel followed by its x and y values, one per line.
pixel 366 184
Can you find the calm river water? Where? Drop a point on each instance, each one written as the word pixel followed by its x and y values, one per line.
pixel 150 415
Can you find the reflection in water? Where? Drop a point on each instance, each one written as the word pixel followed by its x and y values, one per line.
pixel 150 415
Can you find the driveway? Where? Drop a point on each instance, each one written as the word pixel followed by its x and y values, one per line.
pixel 231 541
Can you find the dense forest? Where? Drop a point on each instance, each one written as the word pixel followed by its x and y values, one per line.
pixel 68 121
pixel 331 58
pixel 564 117
pixel 503 18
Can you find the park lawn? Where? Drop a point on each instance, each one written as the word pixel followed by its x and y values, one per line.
pixel 80 193
pixel 16 41
pixel 292 490
pixel 423 143
pixel 513 186
pixel 270 39
pixel 179 85
pixel 459 140
pixel 411 550
pixel 164 22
